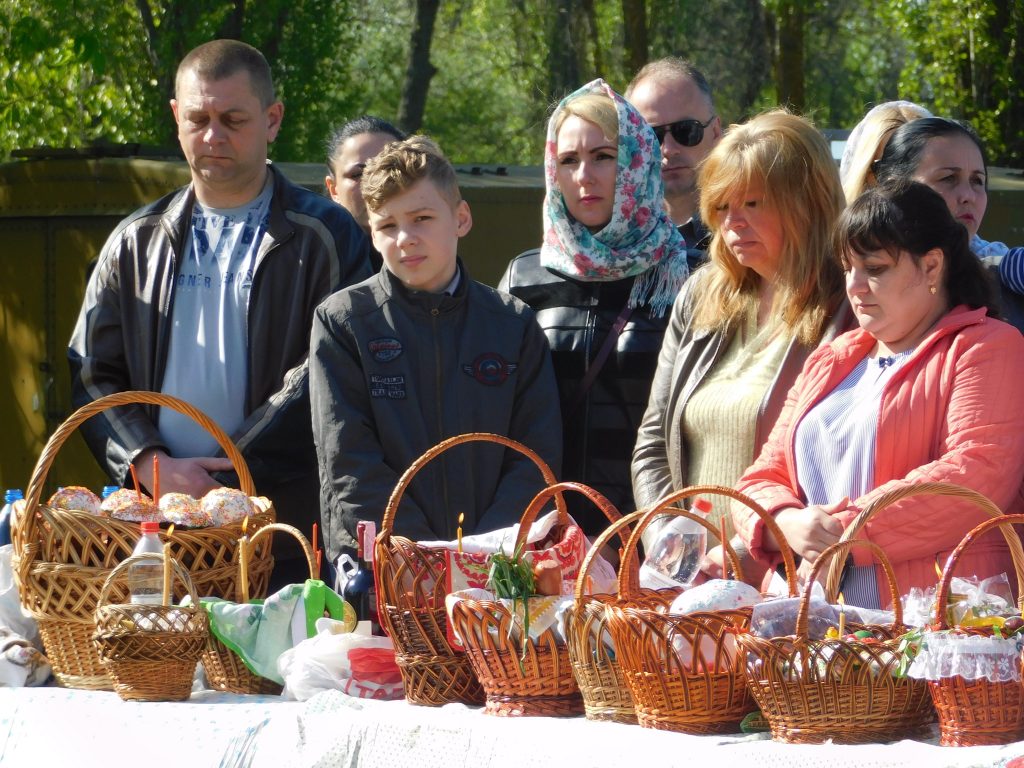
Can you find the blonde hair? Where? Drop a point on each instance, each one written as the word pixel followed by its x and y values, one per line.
pixel 873 134
pixel 596 108
pixel 403 163
pixel 791 160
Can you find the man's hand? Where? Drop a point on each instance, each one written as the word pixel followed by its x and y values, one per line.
pixel 190 475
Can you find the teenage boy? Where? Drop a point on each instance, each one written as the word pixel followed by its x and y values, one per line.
pixel 421 352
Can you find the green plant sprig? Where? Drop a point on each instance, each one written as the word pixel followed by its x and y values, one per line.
pixel 511 578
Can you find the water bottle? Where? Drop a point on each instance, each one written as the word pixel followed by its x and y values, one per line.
pixel 360 590
pixel 677 551
pixel 146 579
pixel 109 489
pixel 10 496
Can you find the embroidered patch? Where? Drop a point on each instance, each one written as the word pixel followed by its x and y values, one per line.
pixel 390 387
pixel 385 350
pixel 490 369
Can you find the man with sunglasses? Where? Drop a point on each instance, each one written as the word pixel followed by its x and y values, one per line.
pixel 675 98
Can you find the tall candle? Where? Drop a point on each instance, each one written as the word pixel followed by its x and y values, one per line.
pixel 462 519
pixel 156 479
pixel 243 566
pixel 842 616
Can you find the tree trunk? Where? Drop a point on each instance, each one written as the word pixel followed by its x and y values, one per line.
pixel 789 68
pixel 420 71
pixel 563 48
pixel 634 15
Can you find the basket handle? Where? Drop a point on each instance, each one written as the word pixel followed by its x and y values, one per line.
pixel 24 534
pixel 981 501
pixel 704 490
pixel 176 567
pixel 307 550
pixel 631 565
pixel 388 523
pixel 839 551
pixel 1005 523
pixel 557 490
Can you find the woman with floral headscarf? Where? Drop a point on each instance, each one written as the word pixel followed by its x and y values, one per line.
pixel 742 327
pixel 602 283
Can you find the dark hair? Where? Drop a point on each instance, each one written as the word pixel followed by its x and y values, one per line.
pixel 907 216
pixel 357 127
pixel 671 66
pixel 902 154
pixel 219 59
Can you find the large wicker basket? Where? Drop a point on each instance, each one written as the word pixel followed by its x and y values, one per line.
pixel 606 694
pixel 699 697
pixel 979 712
pixel 150 651
pixel 844 690
pixel 63 558
pixel 225 669
pixel 410 582
pixel 522 681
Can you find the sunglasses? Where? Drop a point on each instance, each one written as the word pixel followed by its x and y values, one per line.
pixel 689 133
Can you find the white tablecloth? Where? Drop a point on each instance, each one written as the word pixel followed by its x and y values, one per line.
pixel 42 727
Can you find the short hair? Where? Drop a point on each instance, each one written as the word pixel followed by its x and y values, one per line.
pixel 902 155
pixel 357 127
pixel 907 216
pixel 671 67
pixel 403 163
pixel 871 136
pixel 219 59
pixel 596 108
pixel 792 161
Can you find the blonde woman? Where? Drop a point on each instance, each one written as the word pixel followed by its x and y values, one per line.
pixel 742 326
pixel 868 140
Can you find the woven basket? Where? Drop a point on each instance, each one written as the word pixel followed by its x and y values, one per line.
pixel 539 682
pixel 62 558
pixel 813 690
pixel 979 712
pixel 606 694
pixel 150 651
pixel 699 698
pixel 410 582
pixel 225 669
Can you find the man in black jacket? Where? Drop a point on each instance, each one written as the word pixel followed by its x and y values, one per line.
pixel 208 295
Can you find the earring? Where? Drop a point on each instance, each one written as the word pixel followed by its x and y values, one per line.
pixel 933 289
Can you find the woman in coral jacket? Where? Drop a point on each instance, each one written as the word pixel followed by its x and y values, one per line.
pixel 924 390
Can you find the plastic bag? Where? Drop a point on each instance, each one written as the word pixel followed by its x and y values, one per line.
pixel 676 553
pixel 358 665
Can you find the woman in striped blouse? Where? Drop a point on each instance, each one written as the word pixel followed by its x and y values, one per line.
pixel 924 390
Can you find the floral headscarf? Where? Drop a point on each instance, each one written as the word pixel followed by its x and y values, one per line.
pixel 640 240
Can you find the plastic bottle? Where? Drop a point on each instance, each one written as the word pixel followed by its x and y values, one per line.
pixel 360 591
pixel 10 496
pixel 146 580
pixel 107 490
pixel 677 551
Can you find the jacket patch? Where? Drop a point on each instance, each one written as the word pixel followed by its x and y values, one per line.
pixel 490 369
pixel 390 387
pixel 384 350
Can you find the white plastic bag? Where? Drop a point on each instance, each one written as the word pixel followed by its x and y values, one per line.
pixel 358 665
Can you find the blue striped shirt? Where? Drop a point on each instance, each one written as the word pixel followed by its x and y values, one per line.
pixel 835 452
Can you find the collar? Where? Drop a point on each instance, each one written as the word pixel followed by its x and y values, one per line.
pixel 422 300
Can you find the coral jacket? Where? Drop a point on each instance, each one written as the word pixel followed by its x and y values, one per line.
pixel 953 413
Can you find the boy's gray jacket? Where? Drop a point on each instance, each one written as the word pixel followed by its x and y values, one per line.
pixel 393 372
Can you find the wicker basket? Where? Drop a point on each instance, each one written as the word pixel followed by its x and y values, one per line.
pixel 410 582
pixel 847 691
pixel 606 694
pixel 979 712
pixel 538 681
pixel 699 698
pixel 225 669
pixel 150 651
pixel 62 558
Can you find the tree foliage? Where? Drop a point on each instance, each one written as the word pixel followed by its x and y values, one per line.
pixel 480 75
